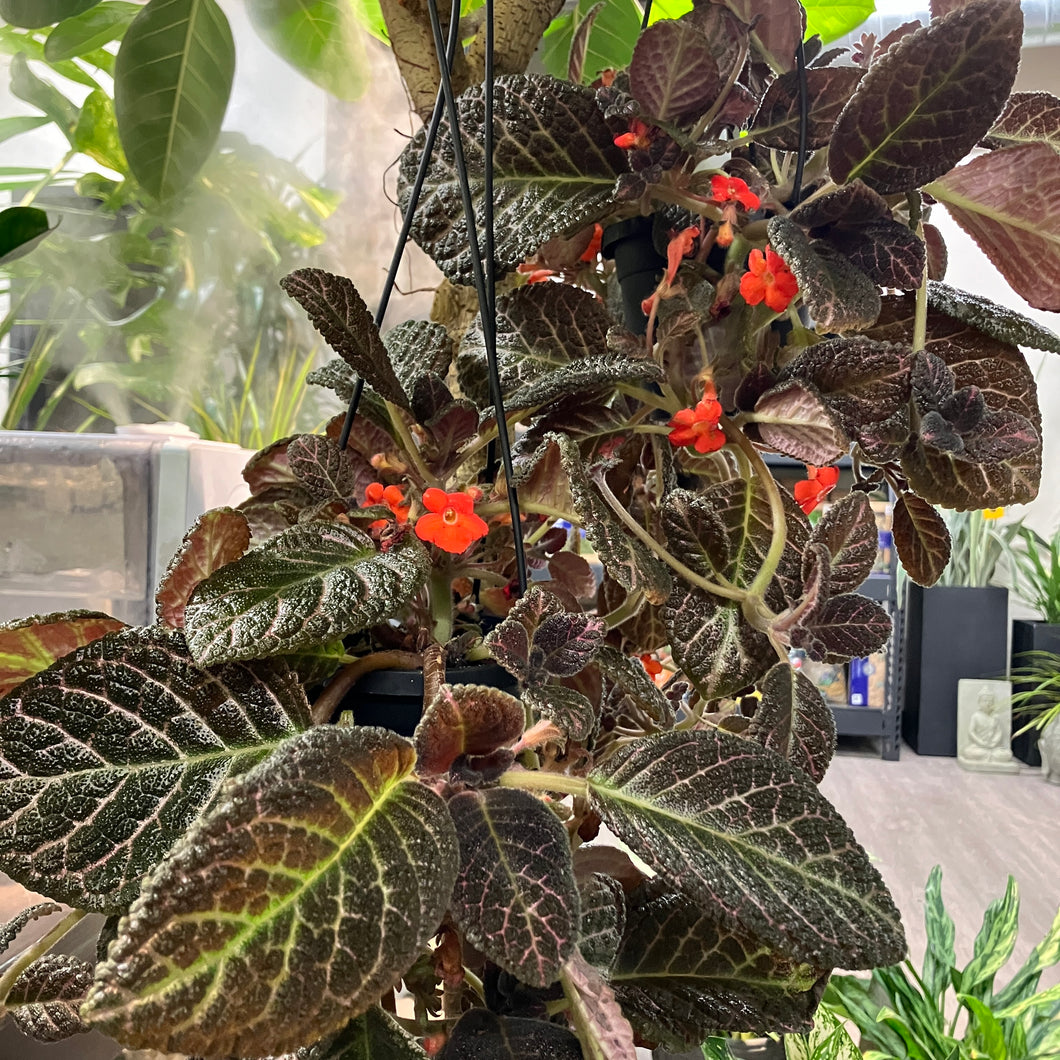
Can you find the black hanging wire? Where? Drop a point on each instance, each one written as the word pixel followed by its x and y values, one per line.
pixel 800 161
pixel 647 13
pixel 485 296
pixel 406 221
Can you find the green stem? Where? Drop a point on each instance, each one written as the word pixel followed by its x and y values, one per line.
pixel 38 949
pixel 440 588
pixel 328 700
pixel 526 780
pixel 37 188
pixel 638 531
pixel 647 397
pixel 920 318
pixel 528 508
pixel 625 610
pixel 408 443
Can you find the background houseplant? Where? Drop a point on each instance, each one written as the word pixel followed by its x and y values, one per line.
pixel 1036 708
pixel 945 1011
pixel 283 872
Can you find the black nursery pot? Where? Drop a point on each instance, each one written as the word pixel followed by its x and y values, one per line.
pixel 638 266
pixel 1029 636
pixel 393 699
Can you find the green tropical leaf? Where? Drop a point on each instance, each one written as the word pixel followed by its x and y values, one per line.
pixel 33 14
pixel 311 583
pixel 99 25
pixel 12 127
pixel 828 1040
pixel 314 883
pixel 985 1029
pixel 171 87
pixel 788 870
pixel 1023 984
pixel 515 898
pixel 1045 999
pixel 994 943
pixel 925 103
pixel 145 739
pixel 555 171
pixel 681 975
pixel 939 958
pixel 319 38
pixel 44 1000
pixel 610 38
pixel 96 132
pixel 27 86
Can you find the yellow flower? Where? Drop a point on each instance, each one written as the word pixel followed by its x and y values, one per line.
pixel 993 513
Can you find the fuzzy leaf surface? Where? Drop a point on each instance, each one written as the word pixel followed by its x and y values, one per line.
pixel 739 830
pixel 109 755
pixel 322 468
pixel 417 348
pixel 289 908
pixel 1008 201
pixel 465 720
pixel 567 709
pixel 794 720
pixel 172 79
pixel 373 1035
pixel 776 124
pixel 30 645
pixel 515 896
pixel 997 321
pixel 218 537
pixel 925 103
pixel 603 918
pixel 312 583
pixel 481 1035
pixel 848 530
pixel 338 312
pixel 682 975
pixel 839 296
pixel 1028 117
pixel 555 170
pixel 842 628
pixel 604 1031
pixel 11 930
pixel 673 74
pixel 793 419
pixel 885 250
pixel 921 538
pixel 44 1000
pixel 777 28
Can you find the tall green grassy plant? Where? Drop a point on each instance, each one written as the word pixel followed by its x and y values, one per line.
pixel 1036 569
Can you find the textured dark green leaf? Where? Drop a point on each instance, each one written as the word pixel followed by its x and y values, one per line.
pixel 172 80
pixel 567 709
pixel 888 252
pixel 312 583
pixel 319 38
pixel 1000 372
pixel 777 28
pixel 11 930
pixel 921 539
pixel 603 918
pixel 512 640
pixel 682 975
pixel 219 536
pixel 997 321
pixel 95 27
pixel 785 868
pixel 848 530
pixel 335 375
pixel 793 719
pixel 323 469
pixel 603 1030
pixel 930 99
pixel 850 205
pixel 555 169
pixel 777 122
pixel 696 534
pixel 373 1035
pixel 1008 201
pixel 1028 117
pixel 838 296
pixel 628 686
pixel 515 897
pixel 417 348
pixel 481 1035
pixel 793 419
pixel 465 720
pixel 626 559
pixel 564 644
pixel 588 378
pixel 289 908
pixel 44 1000
pixel 338 312
pixel 843 628
pixel 21 229
pixel 32 14
pixel 107 757
pixel 673 74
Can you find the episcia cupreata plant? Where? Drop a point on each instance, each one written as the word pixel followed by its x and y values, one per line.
pixel 270 869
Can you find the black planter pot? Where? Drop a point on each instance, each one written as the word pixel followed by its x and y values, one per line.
pixel 393 699
pixel 950 632
pixel 1029 636
pixel 638 266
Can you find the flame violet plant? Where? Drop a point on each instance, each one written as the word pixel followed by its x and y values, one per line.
pixel 270 869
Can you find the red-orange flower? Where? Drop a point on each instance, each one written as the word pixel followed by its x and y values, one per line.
pixel 725 189
pixel 698 427
pixel 392 496
pixel 769 279
pixel 639 136
pixel 450 522
pixel 652 665
pixel 819 482
pixel 679 247
pixel 593 249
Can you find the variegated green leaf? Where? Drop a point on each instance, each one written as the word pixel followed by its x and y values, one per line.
pixel 829 1040
pixel 312 583
pixel 109 755
pixel 785 868
pixel 287 910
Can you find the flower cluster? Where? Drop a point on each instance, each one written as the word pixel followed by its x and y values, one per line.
pixel 730 193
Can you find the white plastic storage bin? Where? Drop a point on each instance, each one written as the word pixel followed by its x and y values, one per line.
pixel 92 520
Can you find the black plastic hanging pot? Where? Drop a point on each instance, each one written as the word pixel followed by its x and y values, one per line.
pixel 638 266
pixel 393 699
